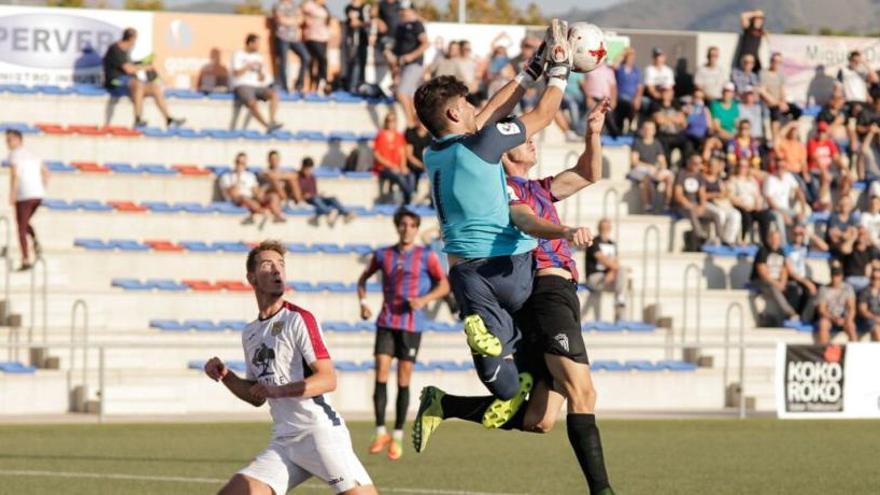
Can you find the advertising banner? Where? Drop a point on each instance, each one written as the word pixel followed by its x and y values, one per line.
pixel 834 381
pixel 64 46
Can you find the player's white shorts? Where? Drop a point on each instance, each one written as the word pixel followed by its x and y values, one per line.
pixel 324 452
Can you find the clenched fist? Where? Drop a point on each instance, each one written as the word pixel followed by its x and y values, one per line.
pixel 215 369
pixel 579 237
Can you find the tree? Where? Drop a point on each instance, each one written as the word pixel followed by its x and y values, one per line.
pixel 144 5
pixel 533 16
pixel 797 30
pixel 251 7
pixel 65 3
pixel 495 12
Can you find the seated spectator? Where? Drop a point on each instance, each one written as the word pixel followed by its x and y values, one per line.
pixel 745 75
pixel 773 92
pixel 690 199
pixel 630 91
pixel 869 154
pixel 658 75
pixel 447 63
pixel 842 225
pixel 770 274
pixel 745 194
pixel 710 78
pixel 725 114
pixel 241 188
pixel 834 114
pixel 249 82
pixel 121 79
pixel 750 109
pixel 870 219
pixel 648 163
pixel 718 202
pixel 699 120
pixel 671 123
pixel 604 271
pixel 744 146
pixel 836 308
pixel 827 165
pixel 779 189
pixel 417 141
pixel 214 76
pixel 324 205
pixel 857 255
pixel 791 154
pixel 801 287
pixel 869 307
pixel 389 152
pixel 279 182
pixel 855 79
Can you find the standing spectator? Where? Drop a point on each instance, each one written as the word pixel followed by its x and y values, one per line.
pixel 241 188
pixel 870 219
pixel 753 34
pixel 779 188
pixel 412 278
pixel 277 181
pixel 770 275
pixel 744 146
pixel 857 257
pixel 121 79
pixel 717 201
pixel 745 75
pixel 827 165
pixel 792 154
pixel 629 91
pixel 671 123
pixel 410 44
pixel 599 84
pixel 658 75
pixel 386 16
pixel 725 113
pixel 649 167
pixel 604 271
pixel 869 155
pixel 447 63
pixel 869 307
pixel 699 120
pixel 389 151
pixel 250 84
pixel 417 141
pixel 27 187
pixel 287 20
pixel 690 199
pixel 316 33
pixel 750 109
pixel 841 227
pixel 711 77
pixel 213 76
pixel 745 194
pixel 836 308
pixel 468 64
pixel 855 79
pixel 574 99
pixel 357 43
pixel 324 205
pixel 773 92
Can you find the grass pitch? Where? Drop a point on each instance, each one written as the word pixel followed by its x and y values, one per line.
pixel 757 456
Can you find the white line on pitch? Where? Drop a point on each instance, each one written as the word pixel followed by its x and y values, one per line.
pixel 181 479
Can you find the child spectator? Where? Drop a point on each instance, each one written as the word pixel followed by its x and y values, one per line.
pixel 744 146
pixel 324 205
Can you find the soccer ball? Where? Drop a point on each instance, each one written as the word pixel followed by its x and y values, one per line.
pixel 587 45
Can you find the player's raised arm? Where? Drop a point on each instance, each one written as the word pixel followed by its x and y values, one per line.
pixel 217 371
pixel 558 59
pixel 503 102
pixel 526 220
pixel 588 169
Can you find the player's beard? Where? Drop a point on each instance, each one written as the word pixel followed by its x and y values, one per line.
pixel 276 295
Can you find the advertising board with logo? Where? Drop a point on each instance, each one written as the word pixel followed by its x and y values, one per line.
pixel 64 46
pixel 834 381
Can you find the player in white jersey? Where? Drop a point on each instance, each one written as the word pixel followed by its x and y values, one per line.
pixel 288 365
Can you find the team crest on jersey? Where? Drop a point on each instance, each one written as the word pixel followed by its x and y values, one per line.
pixel 511 191
pixel 277 327
pixel 263 359
pixel 507 128
pixel 562 340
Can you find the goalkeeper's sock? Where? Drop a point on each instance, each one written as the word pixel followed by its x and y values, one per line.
pixel 473 408
pixel 583 434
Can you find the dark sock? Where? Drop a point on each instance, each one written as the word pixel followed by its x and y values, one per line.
pixel 380 401
pixel 402 406
pixel 583 434
pixel 472 409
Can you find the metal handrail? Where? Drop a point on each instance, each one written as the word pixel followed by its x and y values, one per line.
pixel 7 263
pixel 45 299
pixel 656 231
pixel 742 331
pixel 616 193
pixel 684 302
pixel 79 304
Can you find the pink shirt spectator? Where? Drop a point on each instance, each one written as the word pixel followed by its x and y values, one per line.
pixel 316 25
pixel 600 83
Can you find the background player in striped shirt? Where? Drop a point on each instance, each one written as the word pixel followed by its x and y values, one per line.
pixel 412 277
pixel 288 364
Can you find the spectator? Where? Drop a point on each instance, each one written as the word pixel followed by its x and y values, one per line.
pixel 27 186
pixel 744 146
pixel 750 109
pixel 792 154
pixel 316 34
pixel 690 198
pixel 869 156
pixel 773 92
pixel 121 79
pixel 725 113
pixel 598 85
pixel 753 34
pixel 684 81
pixel 527 48
pixel 357 43
pixel 649 166
pixel 417 141
pixel 386 16
pixel 287 19
pixel 498 59
pixel 779 188
pixel 855 79
pixel 770 274
pixel 857 256
pixel 827 165
pixel 841 226
pixel 277 181
pixel 447 63
pixel 389 151
pixel 745 75
pixel 836 307
pixel 574 99
pixel 213 76
pixel 604 271
pixel 717 201
pixel 410 44
pixel 711 77
pixel 869 307
pixel 241 188
pixel 324 205
pixel 671 123
pixel 699 120
pixel 250 84
pixel 745 194
pixel 468 65
pixel 870 219
pixel 658 75
pixel 834 114
pixel 801 287
pixel 629 91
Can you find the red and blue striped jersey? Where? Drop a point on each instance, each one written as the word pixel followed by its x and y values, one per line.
pixel 405 275
pixel 536 194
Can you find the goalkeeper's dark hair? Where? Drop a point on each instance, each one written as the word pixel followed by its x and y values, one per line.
pixel 432 98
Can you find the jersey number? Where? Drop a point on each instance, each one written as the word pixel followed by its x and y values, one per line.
pixel 438 202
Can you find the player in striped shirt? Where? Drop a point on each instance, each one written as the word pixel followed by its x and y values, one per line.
pixel 412 277
pixel 289 366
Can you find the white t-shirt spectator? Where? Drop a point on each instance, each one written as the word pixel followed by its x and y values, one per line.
pixel 251 77
pixel 871 222
pixel 29 170
pixel 242 183
pixel 779 190
pixel 711 80
pixel 659 76
pixel 855 86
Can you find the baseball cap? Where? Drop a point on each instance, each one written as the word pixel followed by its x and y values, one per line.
pixel 822 126
pixel 656 51
pixel 729 86
pixel 406 4
pixel 749 89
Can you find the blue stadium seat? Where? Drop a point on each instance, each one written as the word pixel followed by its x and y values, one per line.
pixel 798 326
pixel 719 250
pixel 237 366
pixel 91 205
pixel 360 249
pixel 198 246
pixel 48 89
pixel 327 173
pixel 92 244
pixel 636 326
pixel 16 368
pixel 127 245
pixel 608 365
pixel 196 208
pixel 337 326
pixel 203 326
pixel 56 166
pixel 255 135
pixel 677 366
pixel 168 325
pixel 603 326
pixel 642 365
pixel 129 284
pixel 89 90
pixel 300 248
pixel 185 94
pixel 328 248
pixel 156 132
pixel 316 136
pixel 367 136
pixel 195 364
pixel 343 136
pixel 233 325
pixel 366 326
pixel 221 96
pixel 346 366
pixel 289 96
pixel 374 287
pixel 58 204
pixel 19 89
pixel 231 247
pixel 167 285
pixel 300 286
pixel 156 169
pixel 300 211
pixel 228 208
pixel 222 134
pixel 423 366
pixel 819 255
pixel 123 168
pixel 161 207
pixel 359 175
pixel 337 287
